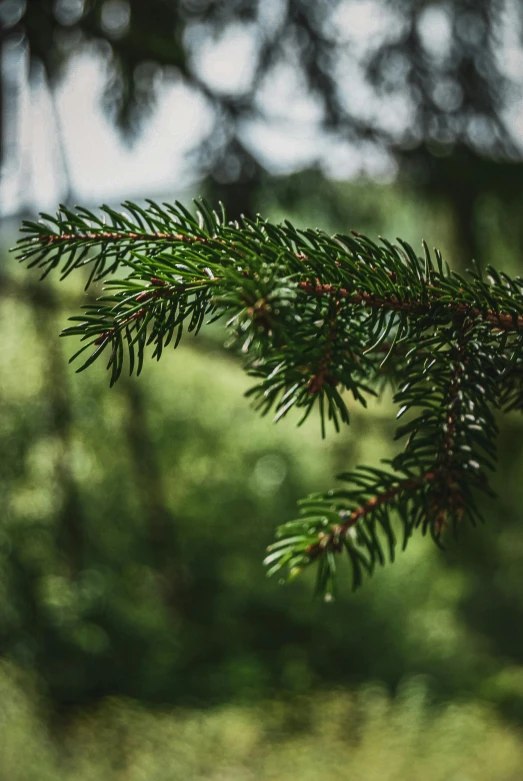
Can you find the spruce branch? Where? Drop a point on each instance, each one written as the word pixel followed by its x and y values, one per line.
pixel 317 319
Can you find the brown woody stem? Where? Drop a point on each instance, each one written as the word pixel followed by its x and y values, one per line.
pixel 451 497
pixel 323 375
pixel 116 236
pixel 500 320
pixel 161 290
pixel 333 540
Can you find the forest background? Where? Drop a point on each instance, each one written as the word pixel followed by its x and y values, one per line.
pixel 139 636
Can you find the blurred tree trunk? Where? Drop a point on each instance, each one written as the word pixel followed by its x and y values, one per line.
pixel 460 179
pixel 71 518
pixel 163 537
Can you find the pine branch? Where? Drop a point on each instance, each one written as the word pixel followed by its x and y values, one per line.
pixel 315 317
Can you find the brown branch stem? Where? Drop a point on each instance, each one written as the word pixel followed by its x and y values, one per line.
pixel 162 290
pixel 333 540
pixel 451 497
pixel 117 236
pixel 500 320
pixel 323 375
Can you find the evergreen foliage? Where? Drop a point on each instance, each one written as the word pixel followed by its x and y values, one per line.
pixel 317 319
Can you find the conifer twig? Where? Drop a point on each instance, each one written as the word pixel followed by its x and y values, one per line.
pixel 319 319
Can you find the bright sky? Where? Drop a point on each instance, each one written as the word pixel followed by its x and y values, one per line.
pixel 102 166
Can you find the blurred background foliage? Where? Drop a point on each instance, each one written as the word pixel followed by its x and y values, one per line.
pixel 138 634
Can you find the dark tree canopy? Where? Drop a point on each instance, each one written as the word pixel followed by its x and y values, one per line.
pixel 413 78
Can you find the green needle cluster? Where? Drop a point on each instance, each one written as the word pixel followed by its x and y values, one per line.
pixel 318 319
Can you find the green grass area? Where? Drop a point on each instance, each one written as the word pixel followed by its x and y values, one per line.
pixel 363 736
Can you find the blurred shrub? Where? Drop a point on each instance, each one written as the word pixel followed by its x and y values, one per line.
pixel 133 523
pixel 365 736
